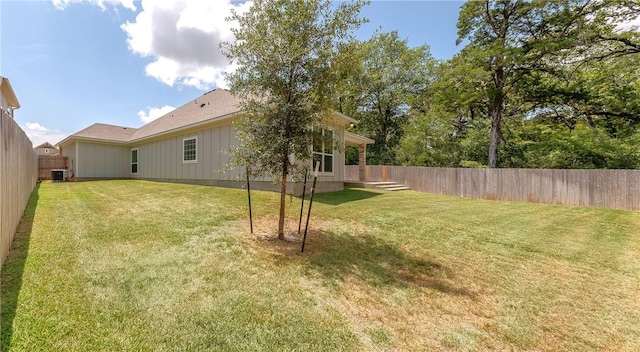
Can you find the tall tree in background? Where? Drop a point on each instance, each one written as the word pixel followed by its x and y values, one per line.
pixel 531 67
pixel 495 31
pixel 590 53
pixel 535 53
pixel 392 78
pixel 285 53
pixel 448 132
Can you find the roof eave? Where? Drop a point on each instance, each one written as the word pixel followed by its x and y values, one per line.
pixel 187 127
pixel 89 139
pixel 356 139
pixel 349 120
pixel 9 93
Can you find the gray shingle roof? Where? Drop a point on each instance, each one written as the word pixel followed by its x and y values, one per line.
pixel 216 104
pixel 45 145
pixel 106 132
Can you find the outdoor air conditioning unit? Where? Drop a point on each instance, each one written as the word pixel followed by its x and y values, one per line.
pixel 59 175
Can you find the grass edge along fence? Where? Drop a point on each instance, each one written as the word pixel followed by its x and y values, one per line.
pixel 18 178
pixel 614 189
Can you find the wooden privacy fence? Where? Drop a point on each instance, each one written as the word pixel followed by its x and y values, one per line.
pixel 46 163
pixel 615 189
pixel 18 177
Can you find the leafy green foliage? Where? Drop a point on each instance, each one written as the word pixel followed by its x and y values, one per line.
pixel 391 80
pixel 285 52
pixel 554 82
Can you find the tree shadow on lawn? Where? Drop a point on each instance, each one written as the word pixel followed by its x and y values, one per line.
pixel 13 269
pixel 337 198
pixel 337 256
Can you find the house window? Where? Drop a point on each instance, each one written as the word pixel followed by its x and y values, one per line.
pixel 46 150
pixel 134 161
pixel 323 149
pixel 190 150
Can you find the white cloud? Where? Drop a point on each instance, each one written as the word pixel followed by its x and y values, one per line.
pixel 39 134
pixel 154 113
pixel 34 126
pixel 183 37
pixel 128 4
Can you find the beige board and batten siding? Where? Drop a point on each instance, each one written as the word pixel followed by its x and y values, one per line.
pixel 70 152
pixel 101 161
pixel 162 159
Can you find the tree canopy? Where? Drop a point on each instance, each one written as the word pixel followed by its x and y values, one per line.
pixel 552 78
pixel 388 81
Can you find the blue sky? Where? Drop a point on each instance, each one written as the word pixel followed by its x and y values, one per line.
pixel 76 62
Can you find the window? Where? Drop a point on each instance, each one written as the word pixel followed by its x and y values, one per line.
pixel 189 150
pixel 134 161
pixel 46 150
pixel 323 149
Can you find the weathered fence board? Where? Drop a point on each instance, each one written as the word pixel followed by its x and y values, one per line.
pixel 46 163
pixel 615 189
pixel 18 176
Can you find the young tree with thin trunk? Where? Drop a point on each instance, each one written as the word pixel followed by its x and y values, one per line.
pixel 285 52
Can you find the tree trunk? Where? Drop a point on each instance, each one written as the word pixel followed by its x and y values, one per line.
pixel 496 108
pixel 283 198
pixel 496 119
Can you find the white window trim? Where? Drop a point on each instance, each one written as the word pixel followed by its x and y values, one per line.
pixel 46 150
pixel 333 155
pixel 190 161
pixel 131 161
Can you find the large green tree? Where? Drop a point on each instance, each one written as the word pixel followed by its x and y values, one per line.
pixel 285 51
pixel 449 131
pixel 495 31
pixel 589 70
pixel 546 54
pixel 389 79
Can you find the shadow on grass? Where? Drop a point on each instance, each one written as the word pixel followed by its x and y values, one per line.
pixel 377 263
pixel 348 195
pixel 13 269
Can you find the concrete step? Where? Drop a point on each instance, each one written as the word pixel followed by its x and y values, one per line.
pixel 397 188
pixel 367 184
pixel 393 187
pixel 388 185
pixel 382 185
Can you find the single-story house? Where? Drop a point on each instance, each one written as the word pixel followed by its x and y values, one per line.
pixel 190 145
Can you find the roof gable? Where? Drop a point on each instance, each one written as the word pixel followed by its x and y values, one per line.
pixel 215 104
pixel 106 132
pixel 45 145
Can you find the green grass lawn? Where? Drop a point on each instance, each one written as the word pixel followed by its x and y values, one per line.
pixel 144 266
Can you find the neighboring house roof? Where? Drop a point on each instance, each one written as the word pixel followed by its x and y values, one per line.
pixel 8 93
pixel 45 145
